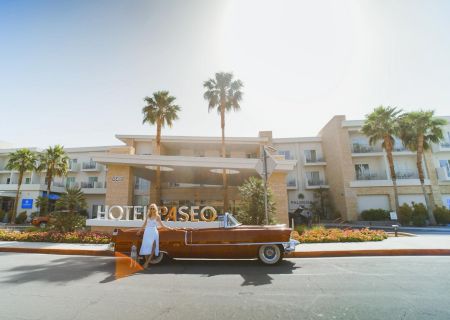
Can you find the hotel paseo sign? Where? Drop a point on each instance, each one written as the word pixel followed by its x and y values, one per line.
pixel 133 216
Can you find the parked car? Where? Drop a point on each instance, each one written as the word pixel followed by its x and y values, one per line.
pixel 226 239
pixel 40 221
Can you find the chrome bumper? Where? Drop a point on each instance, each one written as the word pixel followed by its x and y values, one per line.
pixel 290 246
pixel 111 247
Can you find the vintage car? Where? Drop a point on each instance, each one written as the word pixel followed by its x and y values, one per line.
pixel 222 239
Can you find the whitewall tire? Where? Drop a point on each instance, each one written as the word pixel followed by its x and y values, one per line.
pixel 270 254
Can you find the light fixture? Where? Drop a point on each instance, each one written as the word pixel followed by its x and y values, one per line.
pixel 227 171
pixel 161 168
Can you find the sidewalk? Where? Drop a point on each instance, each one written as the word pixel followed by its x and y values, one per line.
pixel 418 245
pixel 56 248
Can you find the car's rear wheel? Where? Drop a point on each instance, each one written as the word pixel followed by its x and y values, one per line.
pixel 270 254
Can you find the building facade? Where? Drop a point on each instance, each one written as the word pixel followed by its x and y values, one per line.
pixel 338 162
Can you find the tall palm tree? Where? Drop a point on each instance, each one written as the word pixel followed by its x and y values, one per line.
pixel 224 94
pixel 22 160
pixel 160 111
pixel 56 163
pixel 382 125
pixel 418 130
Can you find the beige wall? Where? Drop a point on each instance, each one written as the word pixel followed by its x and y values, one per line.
pixel 277 183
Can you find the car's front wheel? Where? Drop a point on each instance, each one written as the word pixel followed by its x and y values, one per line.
pixel 270 254
pixel 159 259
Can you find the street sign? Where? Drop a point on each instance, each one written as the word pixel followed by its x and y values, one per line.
pixel 27 203
pixel 393 215
pixel 271 164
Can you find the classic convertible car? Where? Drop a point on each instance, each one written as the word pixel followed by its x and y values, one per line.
pixel 225 238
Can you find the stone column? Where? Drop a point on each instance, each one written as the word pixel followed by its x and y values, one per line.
pixel 277 183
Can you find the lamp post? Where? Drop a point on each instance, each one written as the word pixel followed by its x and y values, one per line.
pixel 265 175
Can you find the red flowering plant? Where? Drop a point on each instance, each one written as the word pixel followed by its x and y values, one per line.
pixel 322 235
pixel 56 236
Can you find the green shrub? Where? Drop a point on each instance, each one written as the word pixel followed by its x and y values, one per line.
pixel 404 214
pixel 419 215
pixel 66 221
pixel 21 217
pixel 442 215
pixel 375 215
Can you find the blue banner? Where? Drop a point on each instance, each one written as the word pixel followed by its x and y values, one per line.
pixel 27 203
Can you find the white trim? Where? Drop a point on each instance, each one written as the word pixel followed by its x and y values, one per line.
pixel 193 139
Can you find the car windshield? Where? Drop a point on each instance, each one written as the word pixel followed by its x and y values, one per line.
pixel 232 222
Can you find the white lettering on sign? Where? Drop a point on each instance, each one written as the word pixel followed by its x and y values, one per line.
pixel 185 213
pixel 117 178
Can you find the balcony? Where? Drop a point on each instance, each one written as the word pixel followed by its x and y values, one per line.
pixel 370 176
pixel 406 174
pixel 316 184
pixel 92 185
pixel 443 174
pixel 91 166
pixel 315 161
pixel 444 145
pixel 365 148
pixel 291 183
pixel 74 167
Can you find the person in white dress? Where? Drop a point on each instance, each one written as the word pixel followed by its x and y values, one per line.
pixel 150 240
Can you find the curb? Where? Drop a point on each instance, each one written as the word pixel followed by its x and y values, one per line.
pixel 376 252
pixel 79 252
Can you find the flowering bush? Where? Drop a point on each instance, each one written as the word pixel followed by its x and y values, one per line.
pixel 321 235
pixel 56 236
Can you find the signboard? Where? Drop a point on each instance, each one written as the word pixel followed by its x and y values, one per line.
pixel 393 215
pixel 117 178
pixel 27 203
pixel 271 164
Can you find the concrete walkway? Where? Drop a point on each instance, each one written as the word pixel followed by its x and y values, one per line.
pixel 418 245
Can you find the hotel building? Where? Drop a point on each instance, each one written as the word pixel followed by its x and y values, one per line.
pixel 339 159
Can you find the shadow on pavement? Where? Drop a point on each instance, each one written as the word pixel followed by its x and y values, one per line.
pixel 72 268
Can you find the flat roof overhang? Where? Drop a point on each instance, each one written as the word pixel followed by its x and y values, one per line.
pixel 191 169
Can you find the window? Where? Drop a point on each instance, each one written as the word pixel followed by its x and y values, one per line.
pixel 313 177
pixel 310 155
pixel 446 165
pixel 362 171
pixel 286 154
pixel 27 180
pixel 95 209
pixel 70 182
pixel 8 180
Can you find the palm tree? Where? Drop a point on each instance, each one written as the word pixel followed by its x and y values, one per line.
pixel 22 160
pixel 160 110
pixel 382 125
pixel 418 130
pixel 56 162
pixel 72 201
pixel 224 94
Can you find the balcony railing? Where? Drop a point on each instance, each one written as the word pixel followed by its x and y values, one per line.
pixel 74 167
pixel 445 144
pixel 315 182
pixel 92 165
pixel 399 148
pixel 365 148
pixel 58 184
pixel 314 160
pixel 370 176
pixel 92 185
pixel 406 174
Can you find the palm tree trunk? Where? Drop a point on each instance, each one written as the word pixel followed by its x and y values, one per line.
pixel 388 148
pixel 16 201
pixel 224 155
pixel 158 168
pixel 422 179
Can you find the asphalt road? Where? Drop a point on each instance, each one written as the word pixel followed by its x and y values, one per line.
pixel 35 286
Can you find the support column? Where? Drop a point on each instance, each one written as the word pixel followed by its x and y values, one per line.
pixel 277 183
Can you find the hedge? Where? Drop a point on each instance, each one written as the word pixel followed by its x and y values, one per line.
pixel 322 235
pixel 55 236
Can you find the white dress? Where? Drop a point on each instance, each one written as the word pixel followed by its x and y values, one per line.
pixel 150 235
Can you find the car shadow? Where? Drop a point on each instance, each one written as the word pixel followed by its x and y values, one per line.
pixel 253 272
pixel 73 268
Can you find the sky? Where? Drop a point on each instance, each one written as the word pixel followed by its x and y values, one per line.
pixel 76 72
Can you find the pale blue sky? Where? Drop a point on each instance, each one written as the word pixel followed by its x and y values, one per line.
pixel 75 72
